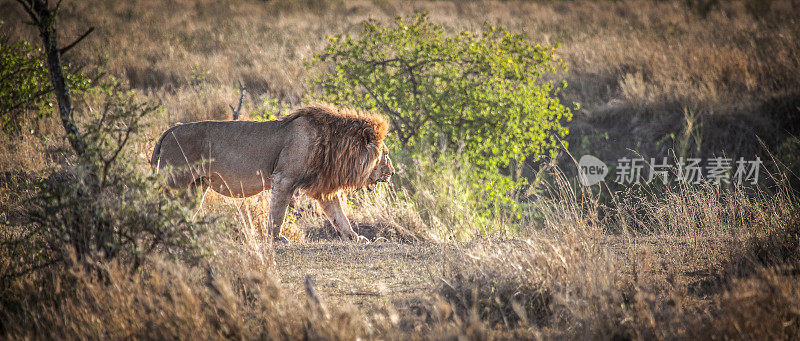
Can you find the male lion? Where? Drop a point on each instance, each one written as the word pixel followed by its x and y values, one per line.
pixel 316 149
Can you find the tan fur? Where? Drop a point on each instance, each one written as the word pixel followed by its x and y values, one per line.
pixel 317 149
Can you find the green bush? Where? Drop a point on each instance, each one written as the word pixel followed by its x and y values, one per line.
pixel 480 96
pixel 270 109
pixel 25 86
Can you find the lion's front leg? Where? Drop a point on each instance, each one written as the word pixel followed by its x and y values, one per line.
pixel 281 196
pixel 333 210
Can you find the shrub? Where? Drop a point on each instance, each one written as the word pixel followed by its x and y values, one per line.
pixel 270 109
pixel 480 95
pixel 446 200
pixel 104 206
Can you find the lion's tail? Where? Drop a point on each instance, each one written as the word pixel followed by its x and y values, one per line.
pixel 154 159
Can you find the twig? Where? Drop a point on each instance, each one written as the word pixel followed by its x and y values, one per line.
pixel 28 9
pixel 66 48
pixel 363 293
pixel 239 107
pixel 312 294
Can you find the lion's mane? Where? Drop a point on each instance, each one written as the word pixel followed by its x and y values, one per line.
pixel 341 158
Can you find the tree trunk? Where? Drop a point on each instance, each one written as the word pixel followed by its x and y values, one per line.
pixel 47 30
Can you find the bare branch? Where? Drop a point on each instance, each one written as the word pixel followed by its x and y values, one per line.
pixel 66 48
pixel 29 10
pixel 239 107
pixel 46 22
pixel 318 302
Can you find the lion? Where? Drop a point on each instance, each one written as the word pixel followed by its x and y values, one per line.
pixel 318 150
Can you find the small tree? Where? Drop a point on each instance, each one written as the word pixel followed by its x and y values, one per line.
pixel 104 206
pixel 479 94
pixel 43 16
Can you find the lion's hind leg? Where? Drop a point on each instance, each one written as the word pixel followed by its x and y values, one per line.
pixel 186 183
pixel 183 179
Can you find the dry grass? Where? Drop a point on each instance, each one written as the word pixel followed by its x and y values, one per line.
pixel 690 262
pixel 703 261
pixel 686 277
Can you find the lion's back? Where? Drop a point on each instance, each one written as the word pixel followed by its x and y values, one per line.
pixel 228 143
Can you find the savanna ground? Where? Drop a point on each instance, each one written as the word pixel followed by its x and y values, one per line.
pixel 702 77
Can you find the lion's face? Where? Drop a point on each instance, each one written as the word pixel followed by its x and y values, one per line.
pixel 383 170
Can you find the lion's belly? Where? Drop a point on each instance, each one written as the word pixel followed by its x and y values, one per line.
pixel 239 185
pixel 238 174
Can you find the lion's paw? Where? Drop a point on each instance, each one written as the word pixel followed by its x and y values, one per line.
pixel 281 239
pixel 355 238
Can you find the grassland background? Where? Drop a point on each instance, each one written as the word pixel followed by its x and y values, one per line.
pixel 635 66
pixel 713 263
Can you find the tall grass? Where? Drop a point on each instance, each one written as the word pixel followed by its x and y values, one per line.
pixel 703 261
pixel 231 296
pixel 697 253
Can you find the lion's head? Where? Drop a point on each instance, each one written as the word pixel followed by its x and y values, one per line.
pixel 348 151
pixel 382 171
